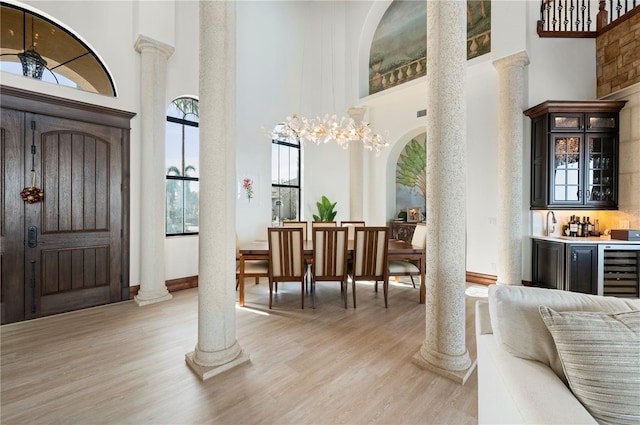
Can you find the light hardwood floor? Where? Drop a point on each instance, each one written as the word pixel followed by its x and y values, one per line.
pixel 124 364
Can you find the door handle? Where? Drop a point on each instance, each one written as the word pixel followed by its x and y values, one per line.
pixel 32 239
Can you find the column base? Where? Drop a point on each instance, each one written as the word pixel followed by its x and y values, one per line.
pixel 145 298
pixel 458 376
pixel 206 372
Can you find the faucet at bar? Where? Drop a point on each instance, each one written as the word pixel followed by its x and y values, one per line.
pixel 553 220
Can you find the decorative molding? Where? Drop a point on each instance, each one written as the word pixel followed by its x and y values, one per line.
pixel 481 278
pixel 173 285
pixel 143 42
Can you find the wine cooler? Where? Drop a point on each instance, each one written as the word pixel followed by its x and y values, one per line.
pixel 619 270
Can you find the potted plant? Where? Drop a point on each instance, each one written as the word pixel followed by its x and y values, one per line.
pixel 325 210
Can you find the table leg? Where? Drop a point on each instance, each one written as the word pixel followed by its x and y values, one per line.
pixel 241 282
pixel 423 284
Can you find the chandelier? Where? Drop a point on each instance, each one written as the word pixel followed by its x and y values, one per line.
pixel 323 130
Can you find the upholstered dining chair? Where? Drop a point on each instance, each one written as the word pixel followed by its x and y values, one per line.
pixel 407 267
pixel 302 224
pixel 255 268
pixel 286 258
pixel 315 224
pixel 329 259
pixel 351 225
pixel 370 252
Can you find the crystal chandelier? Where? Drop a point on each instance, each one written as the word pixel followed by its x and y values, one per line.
pixel 323 130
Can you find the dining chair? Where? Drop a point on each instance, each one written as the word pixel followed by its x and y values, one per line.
pixel 351 225
pixel 302 224
pixel 286 258
pixel 255 268
pixel 370 252
pixel 329 259
pixel 408 267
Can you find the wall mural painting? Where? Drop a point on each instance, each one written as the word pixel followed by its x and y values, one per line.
pixel 399 48
pixel 411 175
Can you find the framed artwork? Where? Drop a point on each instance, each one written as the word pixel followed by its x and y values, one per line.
pixel 247 190
pixel 414 214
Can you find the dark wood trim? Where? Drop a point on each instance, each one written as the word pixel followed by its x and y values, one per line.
pixel 481 278
pixel 173 285
pixel 574 105
pixel 567 34
pixel 24 100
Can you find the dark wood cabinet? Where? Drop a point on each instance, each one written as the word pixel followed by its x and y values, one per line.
pixel 582 266
pixel 559 265
pixel 574 154
pixel 548 264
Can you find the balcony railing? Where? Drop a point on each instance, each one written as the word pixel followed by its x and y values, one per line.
pixel 581 18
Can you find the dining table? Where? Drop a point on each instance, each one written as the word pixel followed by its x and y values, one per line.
pixel 397 249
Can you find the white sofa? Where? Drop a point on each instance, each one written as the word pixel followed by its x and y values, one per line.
pixel 520 376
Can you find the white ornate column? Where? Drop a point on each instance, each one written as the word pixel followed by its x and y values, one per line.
pixel 510 141
pixel 153 113
pixel 217 349
pixel 356 170
pixel 443 350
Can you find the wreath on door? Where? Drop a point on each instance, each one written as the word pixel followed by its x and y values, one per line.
pixel 32 194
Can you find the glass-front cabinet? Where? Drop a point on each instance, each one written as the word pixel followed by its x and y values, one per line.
pixel 574 154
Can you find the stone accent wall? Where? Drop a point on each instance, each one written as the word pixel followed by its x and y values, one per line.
pixel 629 170
pixel 618 55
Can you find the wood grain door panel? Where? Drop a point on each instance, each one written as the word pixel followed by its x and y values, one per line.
pixel 12 294
pixel 77 260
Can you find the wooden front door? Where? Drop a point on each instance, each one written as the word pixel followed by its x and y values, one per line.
pixel 65 252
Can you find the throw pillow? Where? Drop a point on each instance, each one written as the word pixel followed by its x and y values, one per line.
pixel 519 329
pixel 600 355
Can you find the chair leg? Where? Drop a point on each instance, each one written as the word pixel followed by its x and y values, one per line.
pixel 376 286
pixel 270 293
pixel 343 289
pixel 385 287
pixel 302 293
pixel 313 294
pixel 353 289
pixel 257 280
pixel 412 281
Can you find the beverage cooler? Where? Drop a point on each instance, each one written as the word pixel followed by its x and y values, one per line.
pixel 619 270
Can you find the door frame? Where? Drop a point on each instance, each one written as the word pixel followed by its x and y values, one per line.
pixel 43 104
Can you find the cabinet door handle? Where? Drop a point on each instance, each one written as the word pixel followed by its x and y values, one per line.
pixel 579 194
pixel 575 257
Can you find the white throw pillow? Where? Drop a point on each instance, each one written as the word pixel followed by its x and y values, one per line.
pixel 600 355
pixel 517 324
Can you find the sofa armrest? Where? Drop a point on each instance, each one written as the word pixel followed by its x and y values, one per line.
pixel 483 319
pixel 512 390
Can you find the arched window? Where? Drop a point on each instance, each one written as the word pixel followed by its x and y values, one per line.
pixel 37 46
pixel 285 178
pixel 182 165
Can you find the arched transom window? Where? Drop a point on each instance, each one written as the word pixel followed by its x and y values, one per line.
pixel 36 46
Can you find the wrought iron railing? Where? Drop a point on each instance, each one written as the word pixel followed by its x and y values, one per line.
pixel 576 17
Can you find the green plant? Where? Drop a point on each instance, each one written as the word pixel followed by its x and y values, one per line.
pixel 325 210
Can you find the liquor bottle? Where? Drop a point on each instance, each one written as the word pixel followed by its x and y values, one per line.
pixel 585 227
pixel 589 227
pixel 573 226
pixel 579 227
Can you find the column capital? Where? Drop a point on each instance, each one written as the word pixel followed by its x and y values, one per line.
pixel 519 59
pixel 357 113
pixel 143 43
